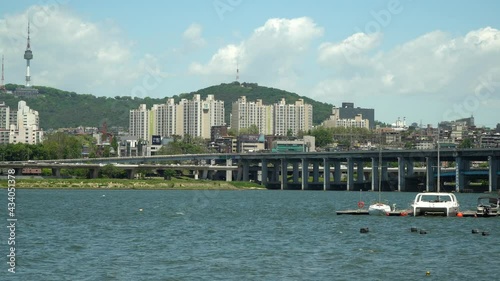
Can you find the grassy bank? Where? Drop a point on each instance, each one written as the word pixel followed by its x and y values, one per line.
pixel 180 184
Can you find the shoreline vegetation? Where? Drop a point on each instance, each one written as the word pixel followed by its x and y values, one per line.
pixel 130 184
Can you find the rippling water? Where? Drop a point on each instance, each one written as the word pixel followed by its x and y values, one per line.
pixel 245 235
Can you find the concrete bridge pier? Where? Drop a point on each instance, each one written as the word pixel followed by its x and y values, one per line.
pixel 337 173
pixel 131 173
pixel 375 174
pixel 246 170
pixel 350 174
pixel 229 173
pixel 401 173
pixel 275 173
pixel 305 173
pixel 493 173
pixel 315 166
pixel 284 174
pixel 326 174
pixel 359 171
pixel 430 168
pixel 94 173
pixel 56 172
pixel 295 172
pixel 410 165
pixel 265 173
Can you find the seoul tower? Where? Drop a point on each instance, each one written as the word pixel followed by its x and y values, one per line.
pixel 28 55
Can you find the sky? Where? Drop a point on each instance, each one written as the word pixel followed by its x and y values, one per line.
pixel 424 61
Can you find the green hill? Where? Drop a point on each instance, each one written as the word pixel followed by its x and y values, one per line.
pixel 60 109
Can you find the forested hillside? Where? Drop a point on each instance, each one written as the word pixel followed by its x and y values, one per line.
pixel 59 109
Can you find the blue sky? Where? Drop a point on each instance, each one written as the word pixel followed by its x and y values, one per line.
pixel 424 60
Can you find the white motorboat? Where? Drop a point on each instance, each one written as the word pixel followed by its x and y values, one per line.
pixel 435 203
pixel 488 206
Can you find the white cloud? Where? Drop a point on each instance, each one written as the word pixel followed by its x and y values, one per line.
pixel 350 50
pixel 433 64
pixel 273 52
pixel 70 53
pixel 192 38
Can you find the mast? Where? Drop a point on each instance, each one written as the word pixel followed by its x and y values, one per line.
pixel 379 168
pixel 438 167
pixel 2 85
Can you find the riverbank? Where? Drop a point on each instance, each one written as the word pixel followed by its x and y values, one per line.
pixel 153 184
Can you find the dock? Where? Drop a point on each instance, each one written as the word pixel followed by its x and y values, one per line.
pixel 474 214
pixel 353 212
pixel 358 212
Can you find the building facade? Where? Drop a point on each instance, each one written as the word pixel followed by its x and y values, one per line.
pixel 21 125
pixel 277 119
pixel 245 113
pixel 292 118
pixel 139 122
pixel 189 117
pixel 336 121
pixel 348 111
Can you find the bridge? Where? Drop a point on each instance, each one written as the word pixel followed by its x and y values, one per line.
pixel 400 170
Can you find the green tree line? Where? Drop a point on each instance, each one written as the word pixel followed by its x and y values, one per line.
pixel 63 109
pixel 55 146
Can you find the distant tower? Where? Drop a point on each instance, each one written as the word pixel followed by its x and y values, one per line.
pixel 27 91
pixel 237 71
pixel 28 55
pixel 2 85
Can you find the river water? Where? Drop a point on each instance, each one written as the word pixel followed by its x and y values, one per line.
pixel 240 235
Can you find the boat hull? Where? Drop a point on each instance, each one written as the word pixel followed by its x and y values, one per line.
pixel 435 204
pixel 379 209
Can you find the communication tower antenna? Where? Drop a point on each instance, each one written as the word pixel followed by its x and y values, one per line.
pixel 28 55
pixel 237 71
pixel 2 85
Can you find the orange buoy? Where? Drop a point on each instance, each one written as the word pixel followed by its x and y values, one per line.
pixel 361 204
pixel 403 213
pixel 459 214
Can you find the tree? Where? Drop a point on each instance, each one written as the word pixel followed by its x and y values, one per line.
pixel 62 146
pixel 110 171
pixel 323 136
pixel 466 143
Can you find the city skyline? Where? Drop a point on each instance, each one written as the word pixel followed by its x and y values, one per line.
pixel 425 61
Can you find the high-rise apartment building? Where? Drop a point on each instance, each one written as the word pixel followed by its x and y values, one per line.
pixel 189 117
pixel 247 113
pixel 21 125
pixel 295 117
pixel 163 118
pixel 276 119
pixel 212 114
pixel 139 122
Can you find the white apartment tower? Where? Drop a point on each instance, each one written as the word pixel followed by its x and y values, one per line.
pixel 212 115
pixel 163 118
pixel 189 117
pixel 246 113
pixel 139 122
pixel 23 128
pixel 199 116
pixel 295 117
